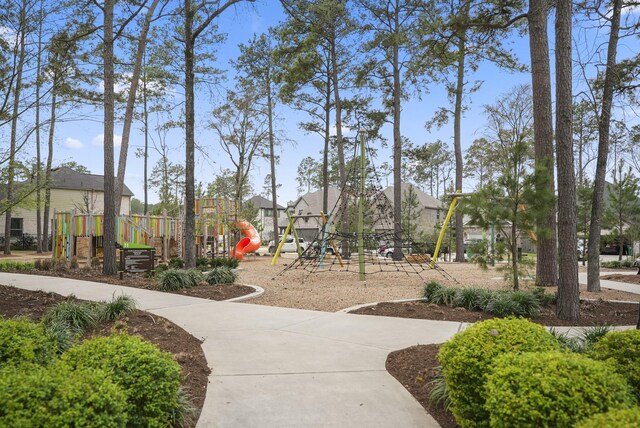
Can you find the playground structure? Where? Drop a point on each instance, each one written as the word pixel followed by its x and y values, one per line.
pixel 81 235
pixel 336 240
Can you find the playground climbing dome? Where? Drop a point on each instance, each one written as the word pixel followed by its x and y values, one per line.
pixel 357 233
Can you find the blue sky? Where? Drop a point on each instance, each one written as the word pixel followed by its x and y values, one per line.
pixel 80 140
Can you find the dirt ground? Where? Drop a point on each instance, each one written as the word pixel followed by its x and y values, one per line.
pixel 167 336
pixel 333 290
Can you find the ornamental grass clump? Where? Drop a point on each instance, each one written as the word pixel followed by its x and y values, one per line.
pixel 430 288
pixel 149 377
pixel 221 275
pixel 55 396
pixel 468 357
pixel 77 316
pixel 551 389
pixel 618 418
pixel 470 298
pixel 177 279
pixel 117 308
pixel 621 349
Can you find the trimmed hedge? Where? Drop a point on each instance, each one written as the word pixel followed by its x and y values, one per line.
pixel 621 349
pixel 23 341
pixel 220 275
pixel 54 396
pixel 619 418
pixel 551 389
pixel 468 357
pixel 149 377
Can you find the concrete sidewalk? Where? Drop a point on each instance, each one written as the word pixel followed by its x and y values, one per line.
pixel 280 367
pixel 614 285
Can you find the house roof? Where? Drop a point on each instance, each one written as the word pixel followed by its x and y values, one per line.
pixel 313 201
pixel 67 178
pixel 424 199
pixel 260 202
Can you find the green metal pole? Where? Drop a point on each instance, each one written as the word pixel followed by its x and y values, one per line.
pixel 361 210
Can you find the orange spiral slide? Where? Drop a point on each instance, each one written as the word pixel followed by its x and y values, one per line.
pixel 251 241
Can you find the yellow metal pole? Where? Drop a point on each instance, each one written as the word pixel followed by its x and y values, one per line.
pixel 452 207
pixel 277 254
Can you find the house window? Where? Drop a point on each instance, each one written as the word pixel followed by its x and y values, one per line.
pixel 268 212
pixel 16 227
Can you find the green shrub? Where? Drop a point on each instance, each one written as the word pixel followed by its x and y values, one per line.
pixel 160 268
pixel 117 308
pixel 445 296
pixel 469 298
pixel 502 305
pixel 54 396
pixel 526 304
pixel 621 349
pixel 484 297
pixel 551 389
pixel 467 359
pixel 617 264
pixel 202 262
pixel 430 288
pixel 23 341
pixel 149 377
pixel 177 279
pixel 224 261
pixel 12 266
pixel 176 263
pixel 220 275
pixel 78 316
pixel 61 335
pixel 95 262
pixel 618 418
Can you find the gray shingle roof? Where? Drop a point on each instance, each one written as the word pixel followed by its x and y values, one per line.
pixel 261 202
pixel 66 178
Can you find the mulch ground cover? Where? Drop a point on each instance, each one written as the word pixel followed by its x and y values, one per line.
pixel 139 280
pixel 592 313
pixel 632 279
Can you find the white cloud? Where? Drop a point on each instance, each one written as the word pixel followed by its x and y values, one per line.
pixel 73 143
pixel 98 140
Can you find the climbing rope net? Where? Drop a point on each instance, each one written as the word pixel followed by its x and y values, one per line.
pixel 341 240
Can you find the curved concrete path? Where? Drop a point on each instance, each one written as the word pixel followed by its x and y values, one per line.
pixel 279 367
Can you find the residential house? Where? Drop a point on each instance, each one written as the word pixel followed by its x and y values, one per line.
pixel 265 216
pixel 307 210
pixel 69 190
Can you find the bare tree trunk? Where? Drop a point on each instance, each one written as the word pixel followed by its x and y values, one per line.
pixel 397 155
pixel 189 61
pixel 325 154
pixel 47 174
pixel 38 168
pixel 109 242
pixel 344 214
pixel 457 119
pixel 272 162
pixel 604 123
pixel 514 254
pixel 568 288
pixel 131 101
pixel 14 130
pixel 145 115
pixel 547 266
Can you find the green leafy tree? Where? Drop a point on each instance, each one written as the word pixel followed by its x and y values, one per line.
pixel 506 203
pixel 479 165
pixel 584 199
pixel 622 212
pixel 411 212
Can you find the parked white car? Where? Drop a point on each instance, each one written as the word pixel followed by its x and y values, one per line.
pixel 289 245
